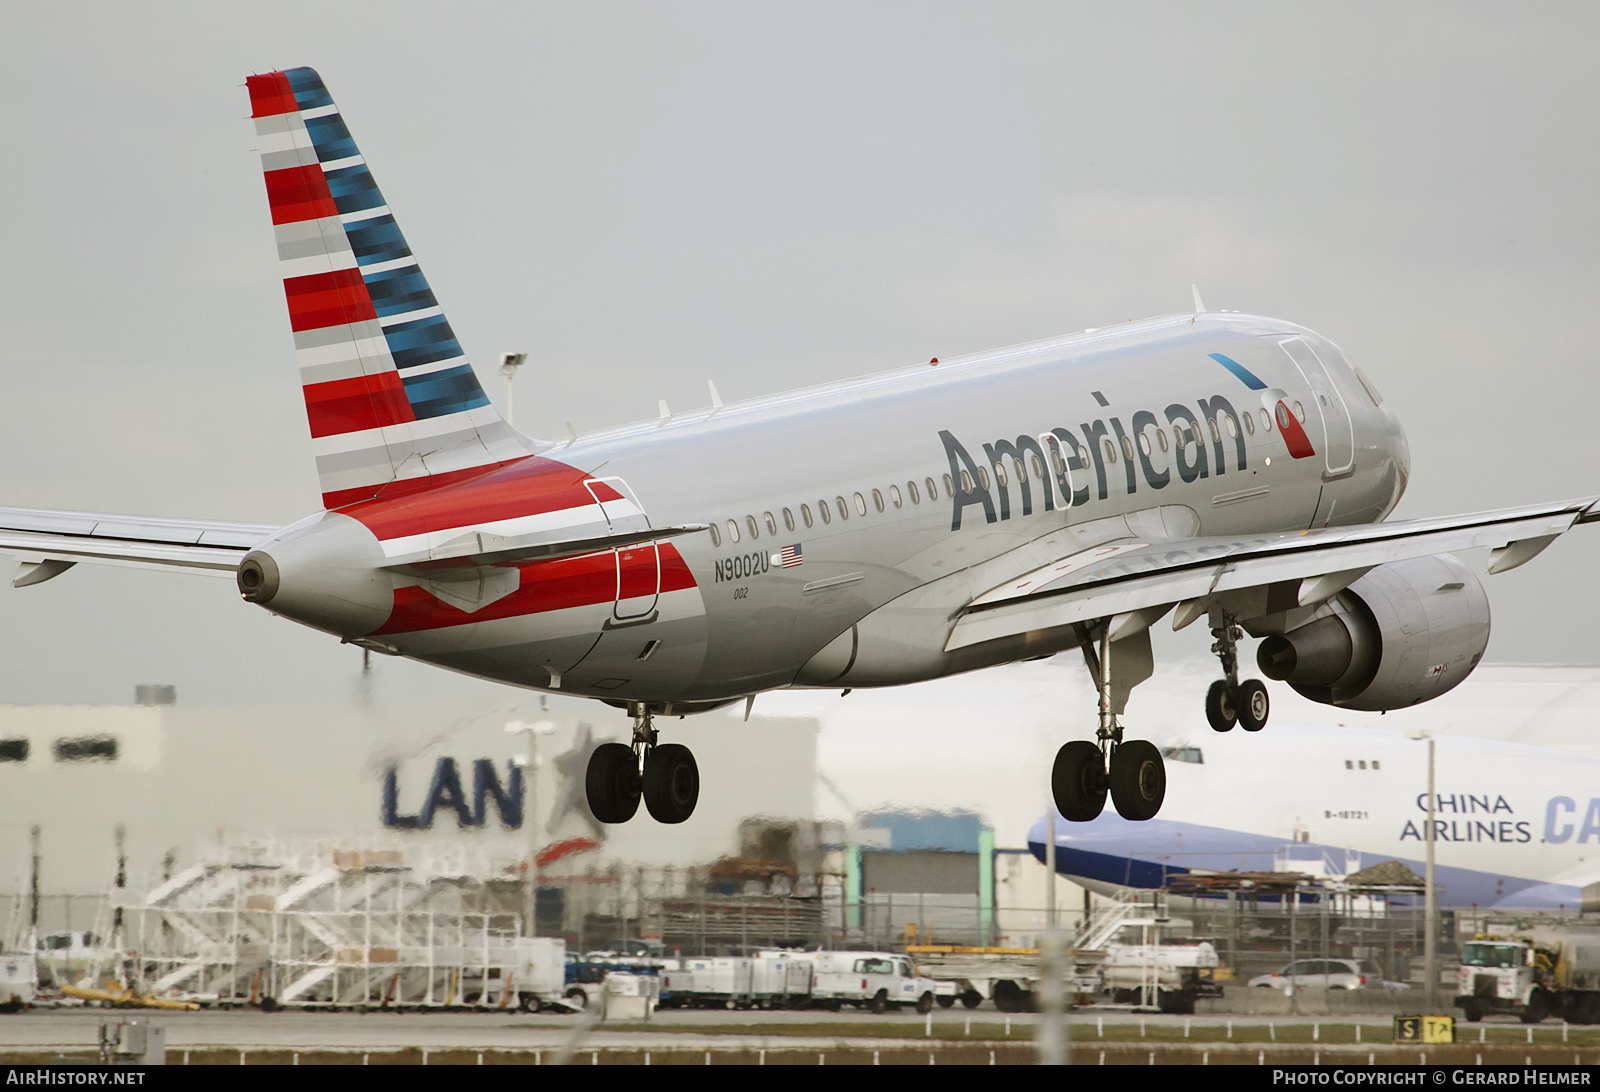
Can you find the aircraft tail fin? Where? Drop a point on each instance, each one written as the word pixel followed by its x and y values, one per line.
pixel 392 402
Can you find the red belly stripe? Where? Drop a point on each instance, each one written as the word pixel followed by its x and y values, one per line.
pixel 546 586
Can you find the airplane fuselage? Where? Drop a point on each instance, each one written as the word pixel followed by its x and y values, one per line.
pixel 842 526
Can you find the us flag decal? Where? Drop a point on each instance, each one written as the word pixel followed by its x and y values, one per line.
pixel 789 556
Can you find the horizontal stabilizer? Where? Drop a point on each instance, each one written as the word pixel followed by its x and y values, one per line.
pixel 475 550
pixel 51 541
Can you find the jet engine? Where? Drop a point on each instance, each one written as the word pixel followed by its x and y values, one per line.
pixel 1402 634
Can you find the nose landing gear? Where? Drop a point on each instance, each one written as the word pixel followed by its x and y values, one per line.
pixel 669 784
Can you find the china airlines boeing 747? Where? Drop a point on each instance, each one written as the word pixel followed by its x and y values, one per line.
pixel 1012 504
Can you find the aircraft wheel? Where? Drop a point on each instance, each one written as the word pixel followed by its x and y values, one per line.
pixel 612 783
pixel 1078 781
pixel 1138 780
pixel 1220 710
pixel 671 782
pixel 1253 704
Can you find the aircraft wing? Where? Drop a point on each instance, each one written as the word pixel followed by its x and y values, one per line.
pixel 1127 576
pixel 50 542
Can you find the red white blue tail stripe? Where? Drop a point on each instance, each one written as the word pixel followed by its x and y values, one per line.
pixel 390 397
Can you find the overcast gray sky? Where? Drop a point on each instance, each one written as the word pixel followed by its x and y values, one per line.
pixel 647 195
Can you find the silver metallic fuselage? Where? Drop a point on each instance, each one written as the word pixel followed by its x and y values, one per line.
pixel 873 596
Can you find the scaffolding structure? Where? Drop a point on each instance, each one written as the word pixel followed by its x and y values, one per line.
pixel 274 923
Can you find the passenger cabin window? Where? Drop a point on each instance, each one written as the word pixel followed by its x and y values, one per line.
pixel 966 482
pixel 733 530
pixel 933 490
pixel 911 491
pixel 877 499
pixel 822 510
pixel 86 749
pixel 983 477
pixel 1300 412
pixel 894 496
pixel 716 536
pixel 861 505
pixel 1111 450
pixel 1266 421
pixel 755 532
pixel 788 520
pixel 1144 444
pixel 772 524
pixel 1161 439
pixel 844 509
pixel 1000 473
pixel 805 514
pixel 1250 423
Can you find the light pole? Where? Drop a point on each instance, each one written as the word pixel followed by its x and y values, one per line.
pixel 1430 940
pixel 509 363
pixel 529 764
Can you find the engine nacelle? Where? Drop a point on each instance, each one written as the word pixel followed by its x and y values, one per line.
pixel 1402 634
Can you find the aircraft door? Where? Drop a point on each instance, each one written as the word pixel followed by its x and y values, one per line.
pixel 1338 432
pixel 638 565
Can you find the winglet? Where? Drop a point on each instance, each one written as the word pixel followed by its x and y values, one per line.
pixel 1199 305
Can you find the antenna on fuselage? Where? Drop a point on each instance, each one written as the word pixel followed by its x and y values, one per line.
pixel 716 399
pixel 1199 305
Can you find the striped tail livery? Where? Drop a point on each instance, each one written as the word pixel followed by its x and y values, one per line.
pixel 390 397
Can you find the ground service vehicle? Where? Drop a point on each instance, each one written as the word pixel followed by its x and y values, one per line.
pixel 1555 973
pixel 870 980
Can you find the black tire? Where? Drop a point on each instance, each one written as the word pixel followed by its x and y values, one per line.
pixel 268 1004
pixel 612 783
pixel 1220 710
pixel 1138 780
pixel 1009 997
pixel 1253 704
pixel 925 1004
pixel 578 997
pixel 879 1003
pixel 947 1001
pixel 671 782
pixel 972 999
pixel 1078 781
pixel 1472 1011
pixel 1538 1007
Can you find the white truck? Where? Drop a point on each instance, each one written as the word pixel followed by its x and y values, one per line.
pixel 876 981
pixel 1542 973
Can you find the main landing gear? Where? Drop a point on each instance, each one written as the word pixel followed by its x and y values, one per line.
pixel 1132 771
pixel 1229 700
pixel 669 783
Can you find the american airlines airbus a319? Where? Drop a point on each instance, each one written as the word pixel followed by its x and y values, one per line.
pixel 963 513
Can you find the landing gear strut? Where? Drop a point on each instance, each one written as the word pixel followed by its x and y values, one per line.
pixel 1229 700
pixel 669 784
pixel 1132 771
